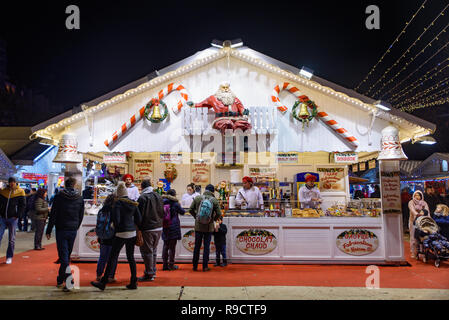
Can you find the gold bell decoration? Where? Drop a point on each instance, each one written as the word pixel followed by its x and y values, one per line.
pixel 156 113
pixel 303 111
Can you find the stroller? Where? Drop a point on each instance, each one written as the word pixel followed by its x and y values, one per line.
pixel 431 244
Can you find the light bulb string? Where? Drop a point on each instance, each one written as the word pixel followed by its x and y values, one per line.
pixel 406 51
pixel 423 93
pixel 399 83
pixel 410 61
pixel 391 45
pixel 423 79
pixel 421 106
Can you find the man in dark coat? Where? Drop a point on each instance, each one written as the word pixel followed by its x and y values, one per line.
pixel 66 215
pixel 152 210
pixel 432 199
pixel 12 206
pixel 171 232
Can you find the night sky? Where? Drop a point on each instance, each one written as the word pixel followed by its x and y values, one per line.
pixel 120 42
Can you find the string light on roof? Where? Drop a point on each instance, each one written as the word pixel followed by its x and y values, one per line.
pixel 421 80
pixel 410 61
pixel 408 50
pixel 399 83
pixel 391 46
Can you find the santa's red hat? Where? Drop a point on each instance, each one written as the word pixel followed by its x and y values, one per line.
pixel 247 179
pixel 126 176
pixel 310 177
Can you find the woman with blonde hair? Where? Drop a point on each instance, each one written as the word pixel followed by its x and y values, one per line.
pixel 417 207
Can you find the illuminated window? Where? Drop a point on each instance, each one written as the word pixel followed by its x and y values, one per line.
pixel 444 166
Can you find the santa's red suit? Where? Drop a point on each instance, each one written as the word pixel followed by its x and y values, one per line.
pixel 226 117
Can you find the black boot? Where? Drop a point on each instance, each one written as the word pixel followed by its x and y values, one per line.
pixel 225 263
pixel 217 264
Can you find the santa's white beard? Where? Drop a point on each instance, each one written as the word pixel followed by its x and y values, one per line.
pixel 226 97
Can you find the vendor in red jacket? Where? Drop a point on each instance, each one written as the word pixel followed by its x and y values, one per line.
pixel 229 111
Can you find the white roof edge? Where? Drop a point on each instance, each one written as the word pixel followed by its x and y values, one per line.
pixel 157 74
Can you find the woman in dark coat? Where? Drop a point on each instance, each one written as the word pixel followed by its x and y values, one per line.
pixel 171 231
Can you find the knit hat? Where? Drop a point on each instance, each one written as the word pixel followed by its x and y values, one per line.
pixel 121 190
pixel 247 179
pixel 210 188
pixel 310 177
pixel 126 176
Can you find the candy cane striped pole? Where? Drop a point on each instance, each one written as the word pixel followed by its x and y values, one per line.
pixel 337 128
pixel 322 115
pixel 136 117
pixel 125 127
pixel 275 96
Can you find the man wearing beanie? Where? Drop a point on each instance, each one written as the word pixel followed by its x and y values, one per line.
pixel 133 191
pixel 309 194
pixel 202 206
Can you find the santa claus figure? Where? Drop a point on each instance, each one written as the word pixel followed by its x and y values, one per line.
pixel 229 111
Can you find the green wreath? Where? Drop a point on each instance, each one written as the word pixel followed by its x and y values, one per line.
pixel 311 105
pixel 148 109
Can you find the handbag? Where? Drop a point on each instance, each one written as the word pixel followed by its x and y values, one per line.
pixel 139 238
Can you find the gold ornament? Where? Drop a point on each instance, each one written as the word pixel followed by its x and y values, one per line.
pixel 303 111
pixel 156 113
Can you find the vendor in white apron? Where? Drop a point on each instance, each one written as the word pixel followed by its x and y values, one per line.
pixel 189 196
pixel 249 196
pixel 309 195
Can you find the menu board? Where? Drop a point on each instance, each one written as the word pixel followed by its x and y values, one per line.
pixel 256 172
pixel 200 173
pixel 143 169
pixel 362 166
pixel 391 192
pixel 287 157
pixel 171 158
pixel 332 179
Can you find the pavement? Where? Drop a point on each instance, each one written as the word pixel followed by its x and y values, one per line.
pixel 24 243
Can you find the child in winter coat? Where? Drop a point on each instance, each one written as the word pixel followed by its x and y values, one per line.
pixel 171 229
pixel 220 243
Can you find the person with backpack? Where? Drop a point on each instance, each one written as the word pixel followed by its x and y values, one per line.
pixel 220 243
pixel 205 210
pixel 67 213
pixel 105 233
pixel 171 231
pixel 125 217
pixel 151 206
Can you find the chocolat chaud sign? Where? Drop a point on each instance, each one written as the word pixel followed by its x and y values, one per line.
pixel 256 242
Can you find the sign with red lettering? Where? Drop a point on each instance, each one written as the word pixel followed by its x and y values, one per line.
pixel 188 241
pixel 332 179
pixel 143 169
pixel 91 240
pixel 200 173
pixel 256 242
pixel 357 242
pixel 391 192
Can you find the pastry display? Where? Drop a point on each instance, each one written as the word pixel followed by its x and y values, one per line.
pixel 305 213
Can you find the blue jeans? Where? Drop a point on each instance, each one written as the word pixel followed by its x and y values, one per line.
pixel 11 224
pixel 220 249
pixel 105 252
pixel 64 243
pixel 199 236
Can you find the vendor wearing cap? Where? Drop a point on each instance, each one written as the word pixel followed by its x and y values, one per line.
pixel 309 195
pixel 133 191
pixel 250 195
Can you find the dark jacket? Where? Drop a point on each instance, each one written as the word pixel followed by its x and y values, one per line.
pixel 12 203
pixel 151 207
pixel 30 202
pixel 173 232
pixel 125 215
pixel 215 214
pixel 41 209
pixel 220 235
pixel 67 211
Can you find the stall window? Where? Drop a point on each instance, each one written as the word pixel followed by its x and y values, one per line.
pixel 444 166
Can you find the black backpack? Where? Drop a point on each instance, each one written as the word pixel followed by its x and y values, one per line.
pixel 104 229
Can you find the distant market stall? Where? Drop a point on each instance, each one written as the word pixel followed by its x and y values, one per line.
pixel 232 112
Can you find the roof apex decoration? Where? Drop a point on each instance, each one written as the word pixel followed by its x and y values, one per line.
pixel 46 131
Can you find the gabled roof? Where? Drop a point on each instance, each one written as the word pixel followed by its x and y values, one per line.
pixel 435 156
pixel 46 130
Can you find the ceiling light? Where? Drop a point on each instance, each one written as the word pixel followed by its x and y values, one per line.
pixel 306 73
pixel 383 105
